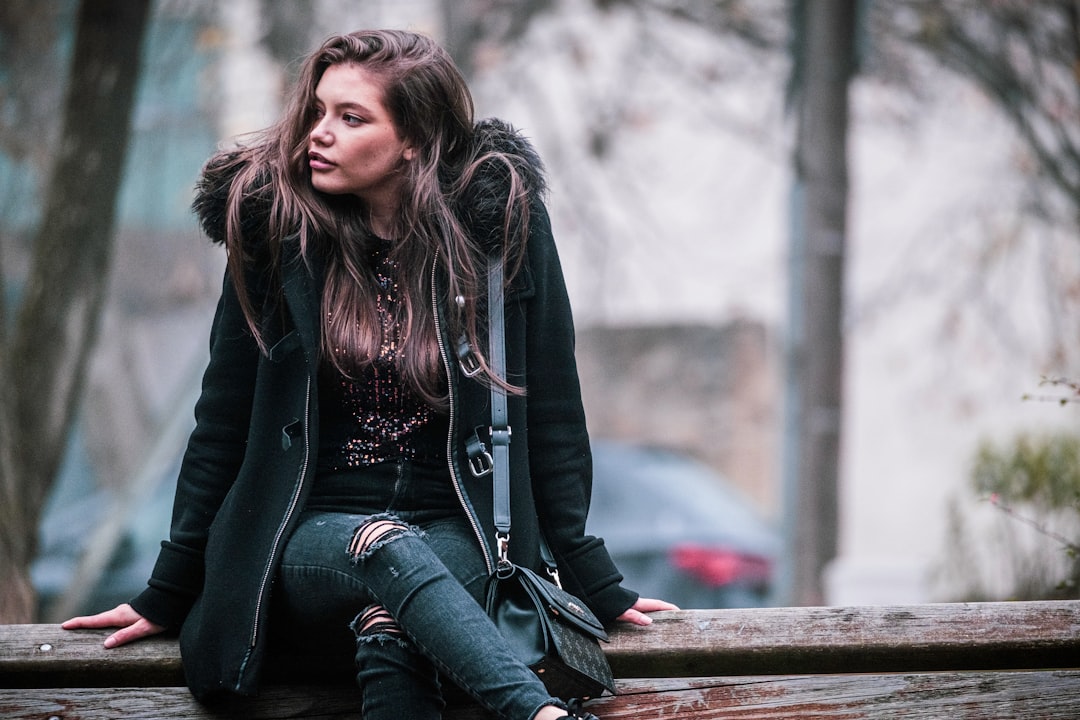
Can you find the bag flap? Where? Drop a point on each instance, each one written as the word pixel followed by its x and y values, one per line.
pixel 562 604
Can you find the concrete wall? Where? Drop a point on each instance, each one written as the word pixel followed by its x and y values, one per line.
pixel 710 391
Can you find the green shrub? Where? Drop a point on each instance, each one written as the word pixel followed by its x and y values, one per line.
pixel 1030 548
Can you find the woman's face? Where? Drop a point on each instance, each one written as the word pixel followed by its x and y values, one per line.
pixel 354 147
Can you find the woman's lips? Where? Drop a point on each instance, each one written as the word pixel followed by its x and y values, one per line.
pixel 318 162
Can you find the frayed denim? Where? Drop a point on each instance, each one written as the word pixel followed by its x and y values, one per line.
pixel 428 574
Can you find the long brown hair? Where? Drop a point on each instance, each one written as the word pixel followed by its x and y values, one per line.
pixel 430 104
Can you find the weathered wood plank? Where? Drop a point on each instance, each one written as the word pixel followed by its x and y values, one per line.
pixel 49 656
pixel 953 636
pixel 688 643
pixel 1047 695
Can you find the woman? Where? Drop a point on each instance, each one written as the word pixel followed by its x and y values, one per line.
pixel 327 483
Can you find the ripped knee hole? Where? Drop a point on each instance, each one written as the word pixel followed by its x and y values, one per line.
pixel 376 620
pixel 373 532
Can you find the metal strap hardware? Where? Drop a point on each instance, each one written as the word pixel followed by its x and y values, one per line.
pixel 503 539
pixel 480 461
pixel 481 465
pixel 470 366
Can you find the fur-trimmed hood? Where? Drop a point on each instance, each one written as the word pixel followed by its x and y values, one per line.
pixel 480 205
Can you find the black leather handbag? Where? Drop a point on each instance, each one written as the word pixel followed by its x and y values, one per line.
pixel 549 629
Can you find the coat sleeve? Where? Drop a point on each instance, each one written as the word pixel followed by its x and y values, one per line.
pixel 214 454
pixel 560 459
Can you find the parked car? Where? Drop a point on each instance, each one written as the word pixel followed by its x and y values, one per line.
pixel 676 529
pixel 679 530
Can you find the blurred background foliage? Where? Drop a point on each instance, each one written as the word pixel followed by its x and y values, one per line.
pixel 1027 545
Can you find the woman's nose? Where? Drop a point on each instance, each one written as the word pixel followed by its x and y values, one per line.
pixel 320 133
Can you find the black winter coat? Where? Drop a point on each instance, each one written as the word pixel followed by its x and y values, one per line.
pixel 251 458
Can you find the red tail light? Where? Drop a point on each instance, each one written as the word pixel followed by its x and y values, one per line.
pixel 719 566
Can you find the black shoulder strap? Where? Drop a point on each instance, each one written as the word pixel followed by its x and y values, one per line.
pixel 500 428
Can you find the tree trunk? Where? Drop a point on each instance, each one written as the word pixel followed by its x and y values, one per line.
pixel 823 65
pixel 42 371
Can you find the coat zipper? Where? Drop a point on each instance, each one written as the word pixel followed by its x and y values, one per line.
pixel 288 515
pixel 455 478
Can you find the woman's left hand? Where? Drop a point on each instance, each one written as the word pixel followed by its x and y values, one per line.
pixel 636 613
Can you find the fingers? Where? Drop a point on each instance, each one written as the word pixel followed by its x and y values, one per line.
pixel 140 629
pixel 636 613
pixel 653 605
pixel 636 618
pixel 119 616
pixel 132 625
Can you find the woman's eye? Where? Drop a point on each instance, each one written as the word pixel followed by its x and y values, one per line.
pixel 352 120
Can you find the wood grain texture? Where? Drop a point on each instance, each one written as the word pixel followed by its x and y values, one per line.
pixel 687 643
pixel 1047 695
pixel 48 656
pixel 953 636
pixel 943 662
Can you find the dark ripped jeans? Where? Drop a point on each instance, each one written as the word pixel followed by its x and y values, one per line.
pixel 408 601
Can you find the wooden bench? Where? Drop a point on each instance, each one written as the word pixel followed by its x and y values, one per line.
pixel 955 661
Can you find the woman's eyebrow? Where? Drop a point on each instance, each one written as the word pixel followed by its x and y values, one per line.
pixel 344 105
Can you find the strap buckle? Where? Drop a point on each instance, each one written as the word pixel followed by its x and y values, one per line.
pixel 470 366
pixel 480 461
pixel 481 464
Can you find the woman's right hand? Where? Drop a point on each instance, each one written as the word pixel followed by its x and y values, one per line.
pixel 133 626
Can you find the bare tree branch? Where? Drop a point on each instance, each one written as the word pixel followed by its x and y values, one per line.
pixel 1023 55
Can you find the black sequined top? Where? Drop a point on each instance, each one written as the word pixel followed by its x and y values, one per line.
pixel 375 417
